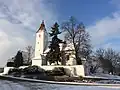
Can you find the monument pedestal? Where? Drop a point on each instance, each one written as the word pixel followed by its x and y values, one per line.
pixel 37 61
pixel 75 70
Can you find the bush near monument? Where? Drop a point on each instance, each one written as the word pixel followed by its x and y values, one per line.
pixel 57 71
pixel 33 70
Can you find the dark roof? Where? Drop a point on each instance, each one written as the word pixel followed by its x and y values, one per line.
pixel 42 27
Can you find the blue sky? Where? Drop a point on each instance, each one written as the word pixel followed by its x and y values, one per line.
pixel 20 19
pixel 101 18
pixel 87 11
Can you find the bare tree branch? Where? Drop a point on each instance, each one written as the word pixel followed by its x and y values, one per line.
pixel 30 52
pixel 76 34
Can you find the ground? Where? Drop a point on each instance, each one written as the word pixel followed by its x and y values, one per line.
pixel 9 85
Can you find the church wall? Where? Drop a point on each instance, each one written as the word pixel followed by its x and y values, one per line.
pixel 72 60
pixel 39 44
pixel 76 70
pixel 37 62
pixel 6 70
pixel 45 40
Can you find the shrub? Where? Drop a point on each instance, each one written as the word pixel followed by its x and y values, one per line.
pixel 81 78
pixel 15 72
pixel 68 72
pixel 57 71
pixel 33 70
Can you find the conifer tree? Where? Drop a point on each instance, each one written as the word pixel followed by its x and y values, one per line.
pixel 54 54
pixel 18 61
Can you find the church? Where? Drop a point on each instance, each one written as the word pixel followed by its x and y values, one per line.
pixel 41 48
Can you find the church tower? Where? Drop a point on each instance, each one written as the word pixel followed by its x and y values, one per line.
pixel 41 45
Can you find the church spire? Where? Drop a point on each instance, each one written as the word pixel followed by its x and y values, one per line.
pixel 42 26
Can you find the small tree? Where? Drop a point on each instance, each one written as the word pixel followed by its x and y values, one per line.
pixel 18 61
pixel 76 34
pixel 30 51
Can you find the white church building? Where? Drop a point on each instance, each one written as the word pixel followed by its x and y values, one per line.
pixel 41 48
pixel 40 45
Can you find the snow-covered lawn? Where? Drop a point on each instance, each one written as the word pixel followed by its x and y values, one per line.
pixel 105 76
pixel 9 85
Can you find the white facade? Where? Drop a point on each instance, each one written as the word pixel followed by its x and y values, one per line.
pixel 40 46
pixel 75 70
pixel 71 60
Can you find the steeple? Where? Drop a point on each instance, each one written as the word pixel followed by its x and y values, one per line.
pixel 42 26
pixel 41 45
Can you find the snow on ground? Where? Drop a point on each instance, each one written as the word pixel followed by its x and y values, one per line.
pixel 101 75
pixel 9 85
pixel 108 76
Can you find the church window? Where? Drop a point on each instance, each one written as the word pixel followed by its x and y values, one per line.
pixel 39 35
pixel 67 57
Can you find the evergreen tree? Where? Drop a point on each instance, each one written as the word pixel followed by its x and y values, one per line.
pixel 18 61
pixel 54 54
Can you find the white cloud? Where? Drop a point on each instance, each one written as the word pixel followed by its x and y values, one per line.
pixel 19 19
pixel 106 29
pixel 115 3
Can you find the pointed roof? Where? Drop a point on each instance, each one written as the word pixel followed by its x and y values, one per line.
pixel 42 26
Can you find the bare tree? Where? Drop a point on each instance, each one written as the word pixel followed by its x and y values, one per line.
pixel 76 34
pixel 108 58
pixel 30 52
pixel 112 55
pixel 100 53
